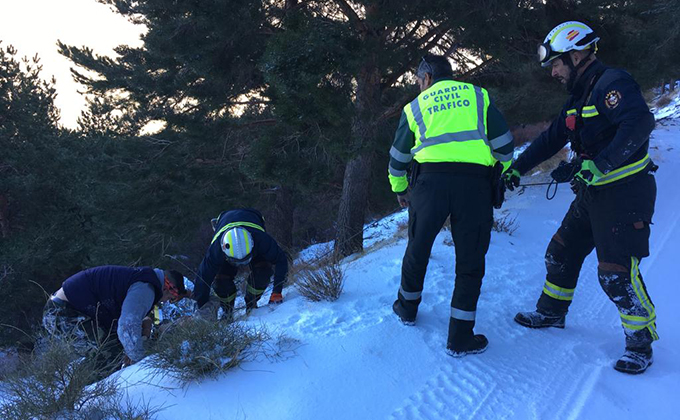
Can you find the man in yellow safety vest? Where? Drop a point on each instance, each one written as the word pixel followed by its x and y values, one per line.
pixel 453 136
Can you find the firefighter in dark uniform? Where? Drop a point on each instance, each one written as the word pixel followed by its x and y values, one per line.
pixel 240 239
pixel 456 138
pixel 608 124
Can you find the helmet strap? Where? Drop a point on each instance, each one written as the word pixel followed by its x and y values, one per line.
pixel 573 69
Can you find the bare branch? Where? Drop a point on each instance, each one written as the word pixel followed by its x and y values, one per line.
pixel 351 14
pixel 437 32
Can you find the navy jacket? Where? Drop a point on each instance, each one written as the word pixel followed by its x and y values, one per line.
pixel 265 248
pixel 99 292
pixel 616 123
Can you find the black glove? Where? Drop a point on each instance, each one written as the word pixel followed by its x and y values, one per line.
pixel 511 179
pixel 565 171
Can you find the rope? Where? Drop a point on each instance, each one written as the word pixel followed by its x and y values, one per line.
pixel 548 196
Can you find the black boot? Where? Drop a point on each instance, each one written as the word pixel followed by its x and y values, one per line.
pixel 537 319
pixel 477 344
pixel 251 301
pixel 635 360
pixel 403 316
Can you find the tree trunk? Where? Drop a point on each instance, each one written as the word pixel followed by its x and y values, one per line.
pixel 281 224
pixel 351 215
pixel 4 223
pixel 349 238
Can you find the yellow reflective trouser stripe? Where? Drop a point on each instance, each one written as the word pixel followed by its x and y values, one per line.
pixel 235 224
pixel 571 112
pixel 623 172
pixel 637 322
pixel 227 299
pixel 254 291
pixel 556 292
pixel 634 322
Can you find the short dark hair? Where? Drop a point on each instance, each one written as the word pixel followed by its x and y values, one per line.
pixel 177 280
pixel 435 65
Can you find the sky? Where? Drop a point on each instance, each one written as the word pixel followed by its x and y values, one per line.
pixel 34 26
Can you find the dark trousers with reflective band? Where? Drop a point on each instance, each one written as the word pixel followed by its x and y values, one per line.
pixel 60 319
pixel 257 282
pixel 466 199
pixel 614 220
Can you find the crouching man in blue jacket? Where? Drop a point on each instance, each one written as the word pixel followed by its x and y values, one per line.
pixel 240 240
pixel 108 305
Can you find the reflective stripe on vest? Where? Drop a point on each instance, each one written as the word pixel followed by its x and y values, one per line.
pixel 449 122
pixel 235 224
pixel 624 171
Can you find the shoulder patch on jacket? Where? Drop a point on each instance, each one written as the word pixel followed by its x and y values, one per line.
pixel 612 99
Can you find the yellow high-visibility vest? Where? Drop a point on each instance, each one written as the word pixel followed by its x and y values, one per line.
pixel 449 122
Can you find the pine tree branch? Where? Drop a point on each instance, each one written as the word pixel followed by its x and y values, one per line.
pixel 395 109
pixel 409 35
pixel 390 79
pixel 351 14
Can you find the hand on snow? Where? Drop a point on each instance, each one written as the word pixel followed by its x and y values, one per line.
pixel 276 298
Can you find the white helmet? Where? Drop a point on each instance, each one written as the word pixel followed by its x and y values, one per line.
pixel 237 245
pixel 563 38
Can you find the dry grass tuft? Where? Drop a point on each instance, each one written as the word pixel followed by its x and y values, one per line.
pixel 505 223
pixel 664 100
pixel 324 281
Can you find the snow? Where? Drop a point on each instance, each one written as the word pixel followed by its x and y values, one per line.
pixel 670 111
pixel 355 360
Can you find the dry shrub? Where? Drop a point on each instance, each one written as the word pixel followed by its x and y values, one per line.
pixel 664 100
pixel 505 223
pixel 193 349
pixel 324 281
pixel 402 228
pixel 57 382
pixel 649 95
pixel 9 362
pixel 526 133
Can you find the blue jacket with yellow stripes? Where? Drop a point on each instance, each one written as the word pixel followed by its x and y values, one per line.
pixel 612 129
pixel 265 248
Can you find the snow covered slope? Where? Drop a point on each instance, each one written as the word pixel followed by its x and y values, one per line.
pixel 357 361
